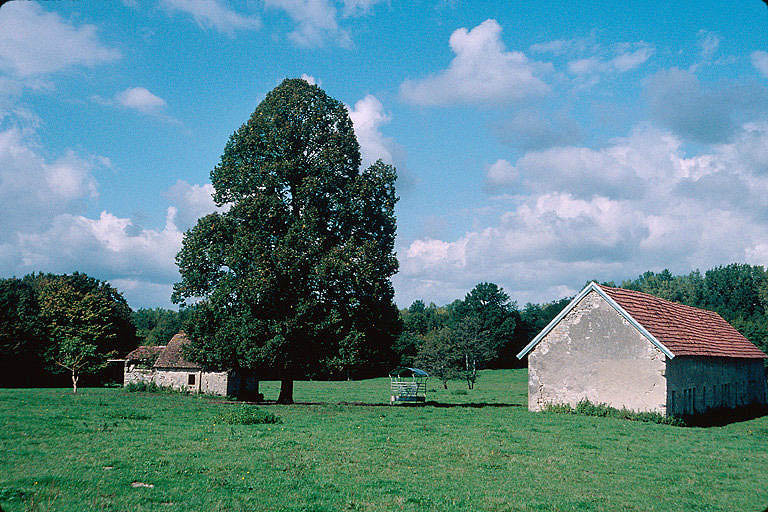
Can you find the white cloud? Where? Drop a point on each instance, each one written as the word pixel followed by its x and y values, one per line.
pixel 32 186
pixel 709 42
pixel 760 61
pixel 608 213
pixel 215 15
pixel 36 42
pixel 45 226
pixel 358 7
pixel 192 202
pixel 316 21
pixel 701 112
pixel 626 58
pixel 309 79
pixel 140 99
pixel 367 117
pixel 106 246
pixel 481 71
pixel 529 129
pixel 500 172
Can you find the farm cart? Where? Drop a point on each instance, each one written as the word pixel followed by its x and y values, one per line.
pixel 408 385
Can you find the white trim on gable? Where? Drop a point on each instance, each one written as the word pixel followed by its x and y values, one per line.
pixel 593 286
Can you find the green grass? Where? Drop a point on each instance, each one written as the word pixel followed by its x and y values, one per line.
pixel 65 452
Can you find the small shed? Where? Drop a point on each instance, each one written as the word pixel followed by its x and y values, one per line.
pixel 166 366
pixel 408 385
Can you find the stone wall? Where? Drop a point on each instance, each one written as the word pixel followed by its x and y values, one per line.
pixel 697 384
pixel 594 353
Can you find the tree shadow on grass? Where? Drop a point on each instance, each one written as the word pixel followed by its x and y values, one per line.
pixel 470 405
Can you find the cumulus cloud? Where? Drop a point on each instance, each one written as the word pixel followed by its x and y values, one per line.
pixel 368 116
pixel 140 99
pixel 316 22
pixel 702 113
pixel 192 202
pixel 482 70
pixel 609 213
pixel 529 129
pixel 32 186
pixel 214 14
pixel 46 227
pixel 36 42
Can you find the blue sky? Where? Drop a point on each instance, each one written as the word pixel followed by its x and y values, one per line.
pixel 539 144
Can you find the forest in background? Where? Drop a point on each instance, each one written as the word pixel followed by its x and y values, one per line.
pixel 42 315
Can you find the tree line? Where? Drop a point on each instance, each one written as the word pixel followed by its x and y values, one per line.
pixel 56 327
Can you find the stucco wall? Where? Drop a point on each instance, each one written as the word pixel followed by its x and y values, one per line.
pixel 594 353
pixel 696 384
pixel 213 383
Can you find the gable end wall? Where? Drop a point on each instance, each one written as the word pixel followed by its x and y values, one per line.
pixel 594 353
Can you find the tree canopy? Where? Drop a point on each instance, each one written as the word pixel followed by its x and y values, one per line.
pixel 294 276
pixel 51 324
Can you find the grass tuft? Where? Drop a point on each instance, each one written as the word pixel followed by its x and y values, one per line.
pixel 246 415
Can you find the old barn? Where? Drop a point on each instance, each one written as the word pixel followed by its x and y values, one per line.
pixel 630 349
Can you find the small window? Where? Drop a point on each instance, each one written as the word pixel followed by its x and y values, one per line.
pixel 191 379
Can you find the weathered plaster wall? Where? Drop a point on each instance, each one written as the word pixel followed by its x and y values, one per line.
pixel 594 353
pixel 134 374
pixel 696 384
pixel 213 383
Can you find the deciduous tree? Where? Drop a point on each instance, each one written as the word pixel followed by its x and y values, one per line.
pixel 294 277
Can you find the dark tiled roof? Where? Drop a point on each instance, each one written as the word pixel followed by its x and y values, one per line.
pixel 145 352
pixel 684 330
pixel 173 357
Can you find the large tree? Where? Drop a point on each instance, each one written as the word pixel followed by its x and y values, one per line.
pixel 293 277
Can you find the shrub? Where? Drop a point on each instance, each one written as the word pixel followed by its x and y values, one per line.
pixel 247 416
pixel 587 408
pixel 459 392
pixel 146 387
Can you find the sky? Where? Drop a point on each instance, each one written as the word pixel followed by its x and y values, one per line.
pixel 538 144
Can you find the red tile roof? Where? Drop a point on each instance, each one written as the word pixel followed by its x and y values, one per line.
pixel 173 357
pixel 684 330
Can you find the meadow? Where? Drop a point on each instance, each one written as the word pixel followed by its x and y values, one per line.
pixel 108 449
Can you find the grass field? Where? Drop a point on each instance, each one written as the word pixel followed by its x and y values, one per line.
pixel 477 451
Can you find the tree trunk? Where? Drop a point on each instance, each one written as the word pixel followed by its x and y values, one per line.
pixel 286 392
pixel 75 377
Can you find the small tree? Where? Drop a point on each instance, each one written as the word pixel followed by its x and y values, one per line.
pixel 438 355
pixel 475 347
pixel 79 357
pixel 86 321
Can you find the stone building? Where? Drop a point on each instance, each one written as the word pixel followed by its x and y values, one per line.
pixel 166 366
pixel 630 349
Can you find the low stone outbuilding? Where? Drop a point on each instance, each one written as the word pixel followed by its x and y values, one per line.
pixel 630 349
pixel 166 366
